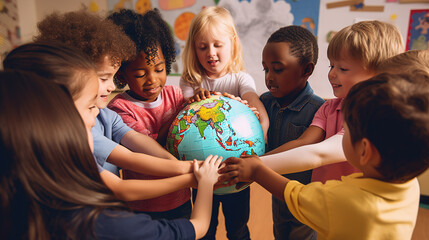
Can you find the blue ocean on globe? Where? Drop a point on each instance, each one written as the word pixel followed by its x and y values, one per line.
pixel 218 126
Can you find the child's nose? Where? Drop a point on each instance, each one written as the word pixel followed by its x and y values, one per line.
pixel 212 51
pixel 331 73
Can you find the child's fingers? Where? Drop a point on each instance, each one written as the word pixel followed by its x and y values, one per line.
pixel 207 94
pixel 207 160
pixel 228 168
pixel 218 162
pixel 228 176
pixel 232 160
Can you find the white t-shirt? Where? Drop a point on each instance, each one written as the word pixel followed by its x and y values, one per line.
pixel 236 84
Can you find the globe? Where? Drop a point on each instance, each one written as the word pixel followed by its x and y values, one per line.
pixel 218 126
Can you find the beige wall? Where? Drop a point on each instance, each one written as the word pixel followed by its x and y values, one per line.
pixel 32 11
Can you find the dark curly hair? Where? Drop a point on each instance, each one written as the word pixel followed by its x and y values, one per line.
pixel 94 35
pixel 302 42
pixel 148 31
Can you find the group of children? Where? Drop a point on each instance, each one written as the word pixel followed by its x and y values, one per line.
pixel 371 139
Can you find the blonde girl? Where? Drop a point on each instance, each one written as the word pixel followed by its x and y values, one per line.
pixel 213 61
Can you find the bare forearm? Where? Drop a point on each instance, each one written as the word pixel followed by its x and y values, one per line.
pixel 202 210
pixel 306 157
pixel 312 135
pixel 147 164
pixel 270 180
pixel 140 143
pixel 131 190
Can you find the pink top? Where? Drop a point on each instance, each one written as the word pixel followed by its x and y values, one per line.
pixel 147 118
pixel 330 119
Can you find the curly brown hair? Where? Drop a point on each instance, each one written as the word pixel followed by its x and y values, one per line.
pixel 94 35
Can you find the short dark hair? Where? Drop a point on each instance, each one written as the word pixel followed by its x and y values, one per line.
pixel 392 112
pixel 302 43
pixel 148 31
pixel 54 61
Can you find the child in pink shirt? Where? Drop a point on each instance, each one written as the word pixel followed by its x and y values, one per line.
pixel 149 106
pixel 354 53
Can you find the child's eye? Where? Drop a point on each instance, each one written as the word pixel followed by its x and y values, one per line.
pixel 218 45
pixel 331 67
pixel 160 70
pixel 343 69
pixel 141 76
pixel 278 70
pixel 265 70
pixel 104 79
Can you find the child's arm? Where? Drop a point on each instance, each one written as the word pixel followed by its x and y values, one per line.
pixel 131 190
pixel 207 176
pixel 307 157
pixel 253 100
pixel 141 143
pixel 312 135
pixel 251 168
pixel 147 164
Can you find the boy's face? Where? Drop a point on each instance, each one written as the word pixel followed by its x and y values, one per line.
pixel 105 71
pixel 284 75
pixel 214 52
pixel 344 73
pixel 144 78
pixel 86 105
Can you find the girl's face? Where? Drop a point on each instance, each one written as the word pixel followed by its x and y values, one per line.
pixel 105 71
pixel 345 72
pixel 146 78
pixel 86 105
pixel 284 75
pixel 213 49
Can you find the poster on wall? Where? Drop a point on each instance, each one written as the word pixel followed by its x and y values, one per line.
pixel 9 27
pixel 418 30
pixel 255 21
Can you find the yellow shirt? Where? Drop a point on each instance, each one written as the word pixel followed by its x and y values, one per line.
pixel 356 207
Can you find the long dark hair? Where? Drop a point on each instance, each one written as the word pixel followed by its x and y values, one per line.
pixel 50 186
pixel 54 61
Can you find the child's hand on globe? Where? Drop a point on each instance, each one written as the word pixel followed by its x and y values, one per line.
pixel 201 94
pixel 207 172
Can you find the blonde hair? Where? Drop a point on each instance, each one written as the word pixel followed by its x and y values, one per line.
pixel 205 21
pixel 370 42
pixel 411 62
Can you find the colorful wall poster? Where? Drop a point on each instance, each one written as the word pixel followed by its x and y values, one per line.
pixel 256 20
pixel 418 30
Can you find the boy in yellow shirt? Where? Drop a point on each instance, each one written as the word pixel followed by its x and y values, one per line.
pixel 386 137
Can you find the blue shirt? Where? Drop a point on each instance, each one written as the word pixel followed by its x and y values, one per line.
pixel 107 133
pixel 288 123
pixel 112 224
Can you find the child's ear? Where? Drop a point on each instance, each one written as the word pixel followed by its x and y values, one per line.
pixel 308 69
pixel 369 154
